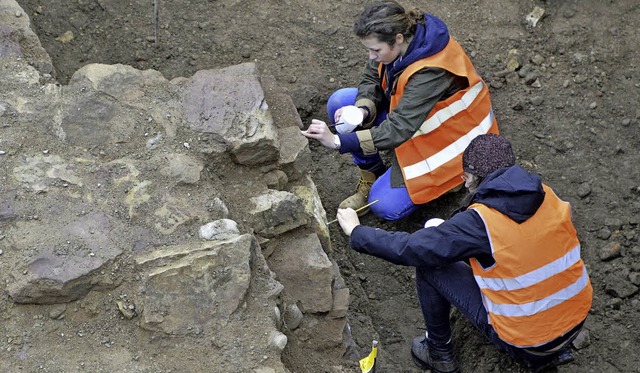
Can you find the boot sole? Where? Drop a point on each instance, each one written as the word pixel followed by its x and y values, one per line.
pixel 559 360
pixel 424 366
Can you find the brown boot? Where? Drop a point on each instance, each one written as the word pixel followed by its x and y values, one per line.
pixel 361 196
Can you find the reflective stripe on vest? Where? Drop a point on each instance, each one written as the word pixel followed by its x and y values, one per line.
pixel 431 161
pixel 531 308
pixel 449 153
pixel 538 288
pixel 450 111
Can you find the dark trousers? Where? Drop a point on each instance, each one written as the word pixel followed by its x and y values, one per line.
pixel 438 289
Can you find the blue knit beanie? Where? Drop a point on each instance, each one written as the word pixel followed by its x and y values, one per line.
pixel 486 154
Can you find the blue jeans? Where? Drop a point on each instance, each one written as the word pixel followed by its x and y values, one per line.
pixel 344 97
pixel 393 203
pixel 454 284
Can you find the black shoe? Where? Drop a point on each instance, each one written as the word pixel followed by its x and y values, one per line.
pixel 438 360
pixel 564 356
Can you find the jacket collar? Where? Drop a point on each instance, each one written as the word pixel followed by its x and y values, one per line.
pixel 430 37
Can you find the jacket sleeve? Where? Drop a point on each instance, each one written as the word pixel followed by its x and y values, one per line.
pixel 423 90
pixel 460 238
pixel 370 93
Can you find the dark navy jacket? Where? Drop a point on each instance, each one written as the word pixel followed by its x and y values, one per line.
pixel 512 191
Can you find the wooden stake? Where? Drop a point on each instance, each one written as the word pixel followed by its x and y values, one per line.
pixel 155 17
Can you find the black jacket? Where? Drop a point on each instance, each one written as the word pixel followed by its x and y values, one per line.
pixel 512 191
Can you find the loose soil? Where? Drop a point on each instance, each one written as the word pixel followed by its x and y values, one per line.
pixel 575 122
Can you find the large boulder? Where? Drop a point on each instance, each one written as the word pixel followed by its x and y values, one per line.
pixel 143 210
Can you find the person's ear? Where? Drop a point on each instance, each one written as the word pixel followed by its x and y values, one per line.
pixel 399 39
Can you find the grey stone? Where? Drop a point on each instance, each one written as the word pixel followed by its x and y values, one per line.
pixel 537 100
pixel 611 251
pixel 237 118
pixel 277 212
pixel 57 311
pixel 512 78
pixel 340 303
pixel 300 263
pixel 584 190
pixel 60 273
pixel 293 316
pixel 59 279
pixel 583 340
pixel 613 223
pixel 276 179
pixel 531 78
pixel 294 153
pixel 186 286
pixel 619 286
pixel 219 229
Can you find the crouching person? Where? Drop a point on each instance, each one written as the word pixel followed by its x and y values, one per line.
pixel 508 260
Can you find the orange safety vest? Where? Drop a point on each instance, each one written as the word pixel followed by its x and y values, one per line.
pixel 538 289
pixel 431 161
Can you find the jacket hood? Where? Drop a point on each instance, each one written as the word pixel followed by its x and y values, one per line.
pixel 512 191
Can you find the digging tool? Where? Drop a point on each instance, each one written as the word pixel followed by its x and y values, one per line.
pixel 360 209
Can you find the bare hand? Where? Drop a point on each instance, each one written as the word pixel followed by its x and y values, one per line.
pixel 320 131
pixel 348 219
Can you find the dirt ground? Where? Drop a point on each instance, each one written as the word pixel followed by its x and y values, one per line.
pixel 572 114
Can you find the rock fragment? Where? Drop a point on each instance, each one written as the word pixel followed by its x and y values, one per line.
pixel 534 17
pixel 584 190
pixel 610 251
pixel 583 340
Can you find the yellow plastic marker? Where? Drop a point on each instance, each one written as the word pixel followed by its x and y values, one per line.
pixel 368 364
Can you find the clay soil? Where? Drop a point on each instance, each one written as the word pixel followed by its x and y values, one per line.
pixel 575 122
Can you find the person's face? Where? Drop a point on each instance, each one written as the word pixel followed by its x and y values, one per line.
pixel 470 181
pixel 382 52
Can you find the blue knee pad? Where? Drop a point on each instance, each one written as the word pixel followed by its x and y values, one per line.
pixel 341 97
